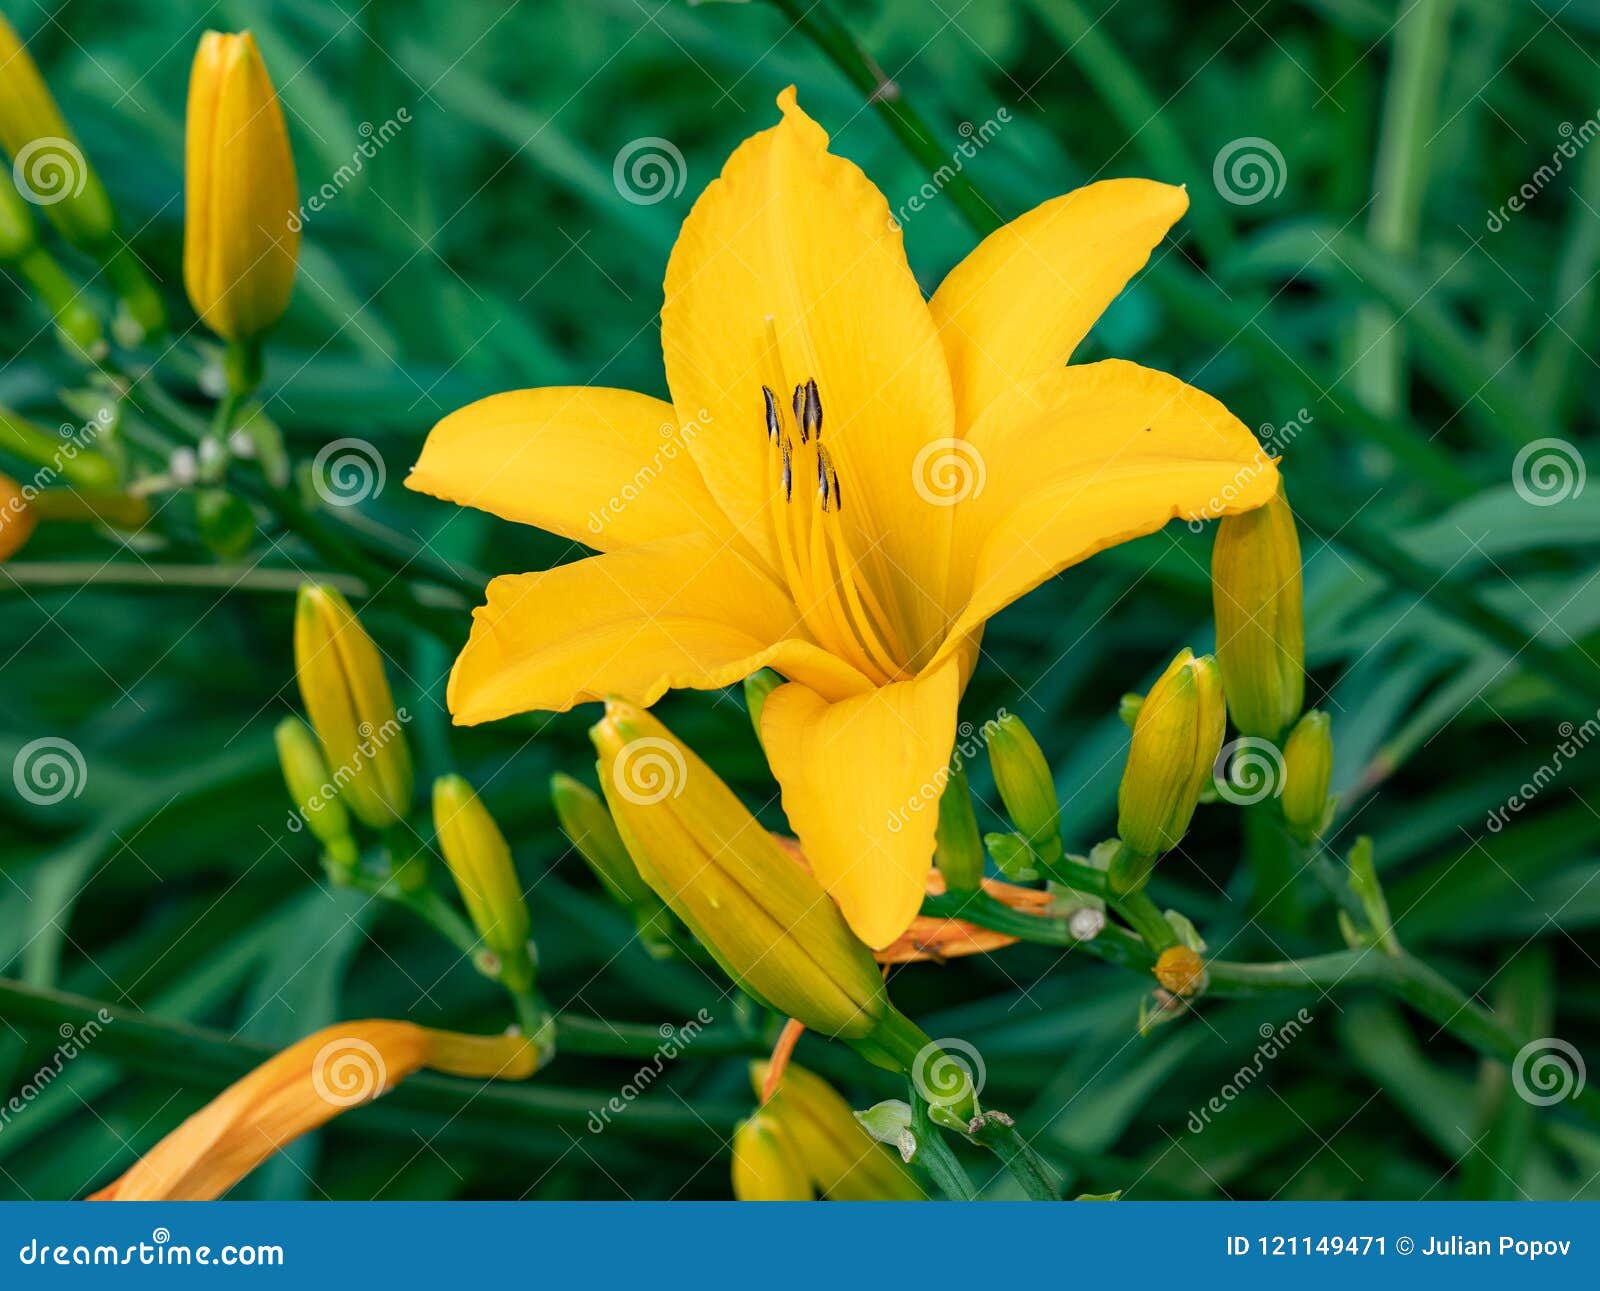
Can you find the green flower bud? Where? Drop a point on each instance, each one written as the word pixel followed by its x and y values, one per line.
pixel 1012 856
pixel 312 790
pixel 1308 769
pixel 1026 786
pixel 1175 744
pixel 958 851
pixel 1256 600
pixel 480 862
pixel 587 823
pixel 1128 708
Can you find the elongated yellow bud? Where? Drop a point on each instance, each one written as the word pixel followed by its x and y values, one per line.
pixel 480 862
pixel 49 166
pixel 16 518
pixel 1256 599
pixel 241 237
pixel 1026 786
pixel 315 797
pixel 762 916
pixel 1307 772
pixel 1176 739
pixel 347 698
pixel 766 1166
pixel 841 1158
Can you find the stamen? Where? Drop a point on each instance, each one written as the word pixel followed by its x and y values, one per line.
pixel 827 479
pixel 810 417
pixel 771 400
pixel 788 470
pixel 799 403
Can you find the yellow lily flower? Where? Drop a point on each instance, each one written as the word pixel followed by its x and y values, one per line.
pixel 849 481
pixel 309 1083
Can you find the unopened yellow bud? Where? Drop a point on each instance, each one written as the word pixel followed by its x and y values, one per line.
pixel 1256 600
pixel 1026 786
pixel 1181 970
pixel 347 698
pixel 841 1158
pixel 480 862
pixel 762 916
pixel 766 1166
pixel 1175 743
pixel 241 237
pixel 1307 772
pixel 587 823
pixel 313 792
pixel 47 161
pixel 16 518
pixel 957 846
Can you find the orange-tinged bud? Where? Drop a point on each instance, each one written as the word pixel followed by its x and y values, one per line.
pixel 16 518
pixel 241 237
pixel 1181 970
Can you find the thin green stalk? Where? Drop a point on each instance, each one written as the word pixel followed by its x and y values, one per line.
pixel 1026 1166
pixel 1146 919
pixel 934 1154
pixel 1400 975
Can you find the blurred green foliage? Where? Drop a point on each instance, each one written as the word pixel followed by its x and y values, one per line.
pixel 1379 302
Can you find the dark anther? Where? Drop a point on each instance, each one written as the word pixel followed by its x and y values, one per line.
pixel 810 418
pixel 788 471
pixel 772 412
pixel 799 403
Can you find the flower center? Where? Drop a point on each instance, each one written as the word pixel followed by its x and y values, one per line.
pixel 835 600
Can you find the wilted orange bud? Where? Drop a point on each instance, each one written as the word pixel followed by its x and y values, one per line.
pixel 1180 970
pixel 241 236
pixel 16 518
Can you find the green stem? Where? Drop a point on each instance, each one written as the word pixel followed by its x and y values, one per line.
pixel 817 19
pixel 1027 1167
pixel 1398 974
pixel 1146 919
pixel 934 1154
pixel 200 1055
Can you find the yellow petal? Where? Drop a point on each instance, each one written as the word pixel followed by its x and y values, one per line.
pixel 309 1083
pixel 789 268
pixel 609 468
pixel 1090 456
pixel 861 780
pixel 1022 300
pixel 678 612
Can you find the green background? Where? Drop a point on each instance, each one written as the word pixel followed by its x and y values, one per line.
pixel 1369 300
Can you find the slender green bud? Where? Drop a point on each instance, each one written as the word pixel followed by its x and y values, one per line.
pixel 587 823
pixel 957 850
pixel 1012 856
pixel 1128 708
pixel 312 791
pixel 1026 786
pixel 1308 770
pixel 352 711
pixel 72 458
pixel 757 686
pixel 1175 744
pixel 1256 600
pixel 480 862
